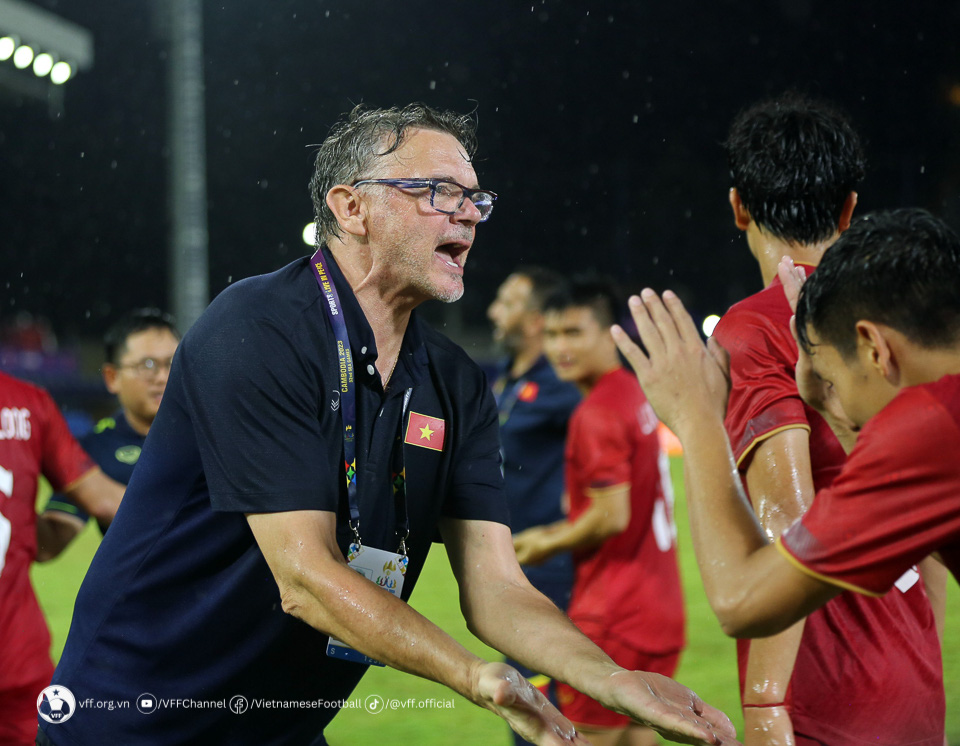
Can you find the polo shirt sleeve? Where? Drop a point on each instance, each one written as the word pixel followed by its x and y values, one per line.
pixel 476 485
pixel 64 462
pixel 763 390
pixel 893 504
pixel 253 396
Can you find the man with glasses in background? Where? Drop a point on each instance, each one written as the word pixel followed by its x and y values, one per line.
pixel 138 351
pixel 316 437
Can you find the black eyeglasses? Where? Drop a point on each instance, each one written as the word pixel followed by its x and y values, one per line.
pixel 445 196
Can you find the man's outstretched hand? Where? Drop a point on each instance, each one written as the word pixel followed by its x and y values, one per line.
pixel 683 380
pixel 669 708
pixel 504 691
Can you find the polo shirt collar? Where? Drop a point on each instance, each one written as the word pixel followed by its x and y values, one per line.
pixel 413 354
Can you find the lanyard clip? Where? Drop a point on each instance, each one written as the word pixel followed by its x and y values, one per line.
pixel 355 527
pixel 402 549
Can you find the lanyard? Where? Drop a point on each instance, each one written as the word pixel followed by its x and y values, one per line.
pixel 348 413
pixel 507 399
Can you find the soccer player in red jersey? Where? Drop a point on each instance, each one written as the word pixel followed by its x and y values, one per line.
pixel 34 441
pixel 626 593
pixel 878 325
pixel 794 165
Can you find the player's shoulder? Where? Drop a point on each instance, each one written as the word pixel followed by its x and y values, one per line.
pixel 919 407
pixel 766 309
pixel 15 392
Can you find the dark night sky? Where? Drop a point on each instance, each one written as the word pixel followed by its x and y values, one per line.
pixel 600 130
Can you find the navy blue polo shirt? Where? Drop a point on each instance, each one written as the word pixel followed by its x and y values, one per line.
pixel 179 602
pixel 534 410
pixel 116 447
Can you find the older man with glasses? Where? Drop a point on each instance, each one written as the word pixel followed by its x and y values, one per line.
pixel 315 438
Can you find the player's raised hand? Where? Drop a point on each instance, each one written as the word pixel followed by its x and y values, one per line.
pixel 682 379
pixel 504 691
pixel 669 708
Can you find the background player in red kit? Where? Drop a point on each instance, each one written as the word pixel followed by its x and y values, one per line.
pixel 34 440
pixel 794 165
pixel 626 592
pixel 879 331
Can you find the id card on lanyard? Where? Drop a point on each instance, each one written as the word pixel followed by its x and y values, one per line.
pixel 386 569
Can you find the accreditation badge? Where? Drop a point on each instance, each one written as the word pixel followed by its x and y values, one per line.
pixel 387 570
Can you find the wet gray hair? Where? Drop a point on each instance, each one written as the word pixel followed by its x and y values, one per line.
pixel 360 137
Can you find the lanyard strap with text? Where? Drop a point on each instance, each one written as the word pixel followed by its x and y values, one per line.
pixel 348 406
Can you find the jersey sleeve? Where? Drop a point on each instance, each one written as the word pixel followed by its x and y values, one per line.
pixel 893 504
pixel 253 398
pixel 763 391
pixel 476 491
pixel 603 447
pixel 64 462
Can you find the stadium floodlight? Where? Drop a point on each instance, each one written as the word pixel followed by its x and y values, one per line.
pixel 7 45
pixel 310 234
pixel 710 323
pixel 61 73
pixel 42 65
pixel 23 56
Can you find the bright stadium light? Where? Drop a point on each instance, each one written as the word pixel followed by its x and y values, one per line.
pixel 61 73
pixel 42 65
pixel 7 45
pixel 23 57
pixel 710 323
pixel 310 234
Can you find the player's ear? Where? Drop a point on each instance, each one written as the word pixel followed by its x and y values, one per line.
pixel 348 208
pixel 872 343
pixel 111 375
pixel 741 216
pixel 846 213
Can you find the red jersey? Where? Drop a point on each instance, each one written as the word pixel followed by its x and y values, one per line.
pixel 857 654
pixel 34 440
pixel 629 586
pixel 895 501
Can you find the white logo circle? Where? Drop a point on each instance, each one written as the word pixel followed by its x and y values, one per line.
pixel 374 703
pixel 147 703
pixel 56 704
pixel 238 704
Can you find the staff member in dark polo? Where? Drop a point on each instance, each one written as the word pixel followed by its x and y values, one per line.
pixel 313 437
pixel 138 351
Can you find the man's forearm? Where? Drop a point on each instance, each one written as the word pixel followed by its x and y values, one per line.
pixel 723 526
pixel 339 602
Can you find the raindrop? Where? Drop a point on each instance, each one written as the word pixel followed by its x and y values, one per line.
pixel 636 118
pixel 86 314
pixel 113 165
pixel 433 85
pixel 236 82
pixel 625 74
pixel 229 279
pixel 609 19
pixel 923 169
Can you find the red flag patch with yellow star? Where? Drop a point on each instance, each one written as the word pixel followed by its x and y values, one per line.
pixel 425 431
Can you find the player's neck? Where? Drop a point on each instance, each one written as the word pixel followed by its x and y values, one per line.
pixel 769 250
pixel 926 365
pixel 525 358
pixel 589 382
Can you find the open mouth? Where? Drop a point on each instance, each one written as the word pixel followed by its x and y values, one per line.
pixel 453 253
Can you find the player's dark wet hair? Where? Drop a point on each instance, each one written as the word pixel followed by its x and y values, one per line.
pixel 899 268
pixel 543 283
pixel 140 320
pixel 597 292
pixel 361 137
pixel 794 161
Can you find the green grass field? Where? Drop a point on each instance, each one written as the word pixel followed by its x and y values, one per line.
pixel 708 665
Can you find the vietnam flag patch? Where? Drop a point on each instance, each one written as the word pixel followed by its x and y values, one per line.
pixel 425 431
pixel 529 391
